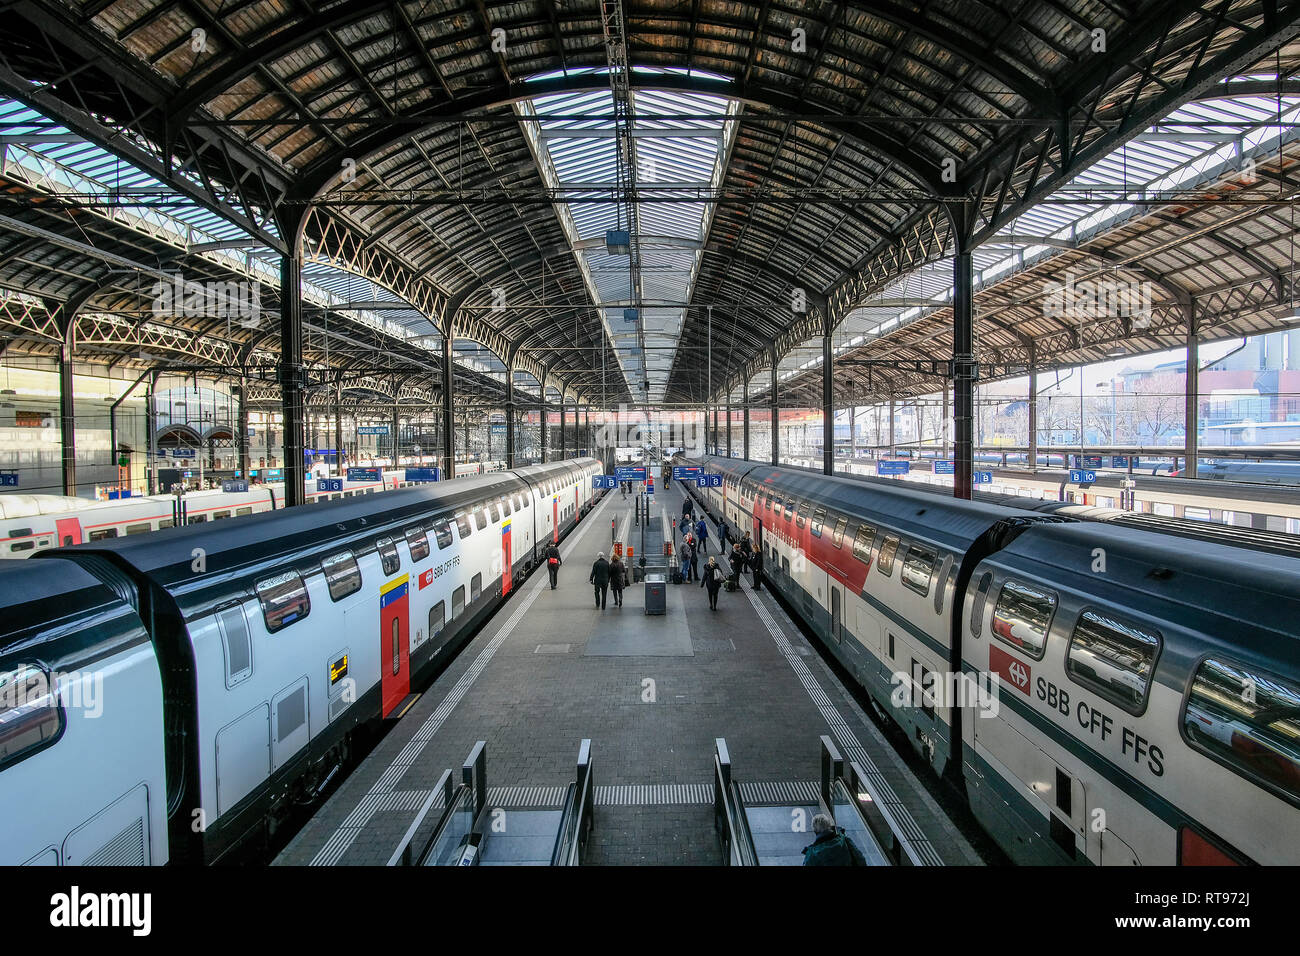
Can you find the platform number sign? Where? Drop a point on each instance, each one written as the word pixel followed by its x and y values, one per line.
pixel 603 482
pixel 708 481
pixel 9 480
pixel 982 477
pixel 1079 476
pixel 329 484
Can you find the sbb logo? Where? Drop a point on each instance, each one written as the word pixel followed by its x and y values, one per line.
pixel 1011 669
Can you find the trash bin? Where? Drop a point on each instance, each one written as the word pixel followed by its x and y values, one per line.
pixel 656 594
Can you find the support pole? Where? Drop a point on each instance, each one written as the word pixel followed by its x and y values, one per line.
pixel 744 433
pixel 448 412
pixel 776 413
pixel 1033 408
pixel 828 405
pixel 1190 468
pixel 292 380
pixel 963 354
pixel 243 429
pixel 397 434
pixel 338 433
pixel 564 432
pixel 728 423
pixel 68 408
pixel 510 417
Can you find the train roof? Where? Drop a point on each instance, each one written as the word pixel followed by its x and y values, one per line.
pixel 238 550
pixel 953 522
pixel 1243 603
pixel 28 506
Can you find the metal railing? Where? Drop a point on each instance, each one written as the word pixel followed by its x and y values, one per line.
pixel 729 820
pixel 579 810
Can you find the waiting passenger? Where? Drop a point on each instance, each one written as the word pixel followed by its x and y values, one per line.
pixel 756 565
pixel 553 562
pixel 712 582
pixel 832 846
pixel 617 579
pixel 702 531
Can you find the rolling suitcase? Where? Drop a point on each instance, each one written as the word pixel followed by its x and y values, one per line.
pixel 677 577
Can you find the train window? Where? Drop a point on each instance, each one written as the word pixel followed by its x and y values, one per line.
pixel 388 557
pixel 166 523
pixel 977 606
pixel 192 519
pixel 102 533
pixel 505 507
pixel 284 600
pixel 837 536
pixel 437 619
pixel 397 647
pixel 216 516
pixel 885 560
pixel 480 518
pixel 918 569
pixel 418 541
pixel 1248 721
pixel 457 602
pixel 462 525
pixel 801 514
pixel 442 531
pixel 776 505
pixel 862 542
pixel 22 546
pixel 495 510
pixel 818 519
pixel 237 643
pixel 29 712
pixel 342 574
pixel 475 587
pixel 240 512
pixel 1113 658
pixel 140 528
pixel 769 502
pixel 1022 615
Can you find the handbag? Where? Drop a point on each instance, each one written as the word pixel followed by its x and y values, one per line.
pixel 552 561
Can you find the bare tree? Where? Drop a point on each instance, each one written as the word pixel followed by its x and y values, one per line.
pixel 1157 404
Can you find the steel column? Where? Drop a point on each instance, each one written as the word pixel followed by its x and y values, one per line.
pixel 828 405
pixel 776 413
pixel 292 380
pixel 963 354
pixel 744 433
pixel 1033 408
pixel 1190 468
pixel 338 432
pixel 564 434
pixel 68 407
pixel 448 412
pixel 243 429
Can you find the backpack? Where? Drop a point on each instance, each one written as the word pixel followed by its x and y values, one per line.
pixel 717 575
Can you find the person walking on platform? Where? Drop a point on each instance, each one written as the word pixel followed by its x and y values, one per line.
pixel 685 557
pixel 702 531
pixel 712 582
pixel 832 846
pixel 553 562
pixel 724 534
pixel 695 561
pixel 688 507
pixel 600 578
pixel 756 565
pixel 617 579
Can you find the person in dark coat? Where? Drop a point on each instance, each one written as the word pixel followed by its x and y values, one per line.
pixel 712 582
pixel 600 578
pixel 737 564
pixel 724 533
pixel 756 565
pixel 702 532
pixel 616 579
pixel 832 846
pixel 695 561
pixel 688 507
pixel 553 562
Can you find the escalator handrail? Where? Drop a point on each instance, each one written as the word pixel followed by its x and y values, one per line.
pixel 460 794
pixel 730 819
pixel 575 822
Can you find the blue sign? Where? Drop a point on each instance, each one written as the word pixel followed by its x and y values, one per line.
pixel 630 473
pixel 372 429
pixel 650 486
pixel 422 474
pixel 9 480
pixel 115 495
pixel 982 477
pixel 1121 461
pixel 1080 477
pixel 234 485
pixel 329 484
pixel 603 482
pixel 686 472
pixel 183 453
pixel 708 481
pixel 1091 461
pixel 275 472
pixel 890 467
pixel 945 467
pixel 365 474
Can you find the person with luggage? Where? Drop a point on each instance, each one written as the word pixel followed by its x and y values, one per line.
pixel 617 579
pixel 712 582
pixel 702 532
pixel 832 846
pixel 552 555
pixel 600 578
pixel 737 566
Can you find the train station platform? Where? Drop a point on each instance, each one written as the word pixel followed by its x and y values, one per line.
pixel 653 694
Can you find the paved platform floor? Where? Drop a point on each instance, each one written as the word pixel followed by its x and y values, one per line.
pixel 652 693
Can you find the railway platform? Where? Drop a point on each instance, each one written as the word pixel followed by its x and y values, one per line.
pixel 652 701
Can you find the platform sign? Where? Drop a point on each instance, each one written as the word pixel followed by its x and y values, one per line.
pixel 893 467
pixel 274 473
pixel 372 429
pixel 630 473
pixel 184 453
pixel 329 484
pixel 1079 476
pixel 422 474
pixel 115 495
pixel 603 482
pixel 708 481
pixel 982 477
pixel 365 474
pixel 945 466
pixel 686 472
pixel 9 480
pixel 1121 461
pixel 237 485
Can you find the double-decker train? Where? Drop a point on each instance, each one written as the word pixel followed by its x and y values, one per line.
pixel 167 697
pixel 1102 693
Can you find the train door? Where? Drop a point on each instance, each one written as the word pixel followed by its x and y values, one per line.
pixel 555 518
pixel 576 509
pixel 506 559
pixel 68 530
pixel 394 637
pixel 836 611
